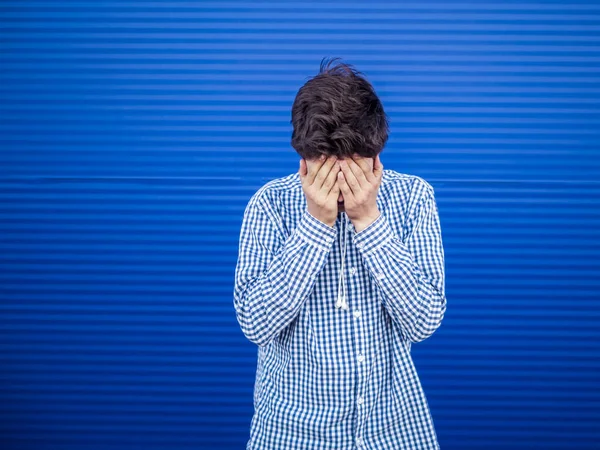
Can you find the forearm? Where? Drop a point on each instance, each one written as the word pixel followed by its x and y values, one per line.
pixel 266 302
pixel 414 300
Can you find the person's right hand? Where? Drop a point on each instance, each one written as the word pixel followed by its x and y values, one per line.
pixel 318 179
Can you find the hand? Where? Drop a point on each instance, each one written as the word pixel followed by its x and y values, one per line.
pixel 320 188
pixel 359 181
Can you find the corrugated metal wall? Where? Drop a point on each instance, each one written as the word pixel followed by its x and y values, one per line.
pixel 133 134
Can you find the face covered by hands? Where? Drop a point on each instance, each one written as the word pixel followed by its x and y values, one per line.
pixel 353 181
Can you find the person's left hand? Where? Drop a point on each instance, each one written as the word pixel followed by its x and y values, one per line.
pixel 359 182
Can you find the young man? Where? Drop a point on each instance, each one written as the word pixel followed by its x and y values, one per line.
pixel 340 270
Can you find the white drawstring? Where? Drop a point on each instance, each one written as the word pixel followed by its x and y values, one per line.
pixel 341 299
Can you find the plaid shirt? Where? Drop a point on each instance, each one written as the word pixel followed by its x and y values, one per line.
pixel 331 377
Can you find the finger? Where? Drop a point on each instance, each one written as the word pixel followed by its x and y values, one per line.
pixel 334 193
pixel 350 177
pixel 324 171
pixel 344 187
pixel 358 173
pixel 330 180
pixel 313 168
pixel 366 165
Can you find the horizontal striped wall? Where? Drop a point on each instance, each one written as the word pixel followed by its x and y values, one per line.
pixel 132 135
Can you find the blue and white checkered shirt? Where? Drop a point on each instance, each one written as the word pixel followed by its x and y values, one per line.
pixel 329 377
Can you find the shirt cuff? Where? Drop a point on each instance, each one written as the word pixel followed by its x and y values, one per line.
pixel 315 232
pixel 376 235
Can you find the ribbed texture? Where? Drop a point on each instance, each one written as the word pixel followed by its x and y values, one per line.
pixel 134 133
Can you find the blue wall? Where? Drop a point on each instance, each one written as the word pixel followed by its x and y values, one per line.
pixel 134 133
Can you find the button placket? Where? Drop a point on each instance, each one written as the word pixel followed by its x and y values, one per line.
pixel 357 313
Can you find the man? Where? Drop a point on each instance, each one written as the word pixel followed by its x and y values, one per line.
pixel 340 270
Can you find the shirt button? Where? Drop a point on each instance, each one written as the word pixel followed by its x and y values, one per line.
pixel 361 358
pixel 360 245
pixel 359 442
pixel 356 313
pixel 380 275
pixel 360 400
pixel 352 270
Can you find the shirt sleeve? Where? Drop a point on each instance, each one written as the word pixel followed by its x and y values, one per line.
pixel 409 274
pixel 274 275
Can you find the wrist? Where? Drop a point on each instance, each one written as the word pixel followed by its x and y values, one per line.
pixel 330 222
pixel 364 222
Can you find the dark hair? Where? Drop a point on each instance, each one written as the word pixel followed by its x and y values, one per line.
pixel 338 113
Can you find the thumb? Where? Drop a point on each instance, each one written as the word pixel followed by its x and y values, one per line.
pixel 302 170
pixel 377 166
